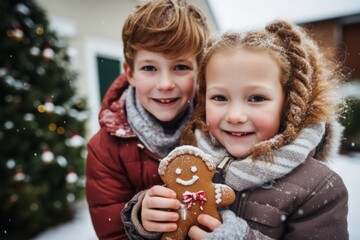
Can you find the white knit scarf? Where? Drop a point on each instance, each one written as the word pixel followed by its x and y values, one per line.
pixel 245 173
pixel 149 130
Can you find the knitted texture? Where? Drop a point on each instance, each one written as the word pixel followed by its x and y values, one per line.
pixel 246 173
pixel 149 131
pixel 239 229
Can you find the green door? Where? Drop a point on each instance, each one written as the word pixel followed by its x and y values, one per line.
pixel 108 70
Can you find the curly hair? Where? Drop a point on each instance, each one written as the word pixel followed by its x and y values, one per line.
pixel 308 78
pixel 171 27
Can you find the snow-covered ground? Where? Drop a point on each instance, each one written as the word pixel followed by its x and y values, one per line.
pixel 348 167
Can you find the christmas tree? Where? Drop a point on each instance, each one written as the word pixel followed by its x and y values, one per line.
pixel 42 124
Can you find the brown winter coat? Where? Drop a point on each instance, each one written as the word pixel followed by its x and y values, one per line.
pixel 118 165
pixel 309 203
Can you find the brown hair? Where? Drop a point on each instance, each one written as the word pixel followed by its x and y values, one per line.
pixel 171 27
pixel 307 77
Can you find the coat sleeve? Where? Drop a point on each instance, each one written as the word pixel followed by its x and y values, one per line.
pixel 234 227
pixel 108 188
pixel 323 215
pixel 131 218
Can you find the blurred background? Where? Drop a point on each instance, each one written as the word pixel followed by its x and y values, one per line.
pixel 57 60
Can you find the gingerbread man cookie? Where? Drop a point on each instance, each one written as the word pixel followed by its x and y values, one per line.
pixel 189 172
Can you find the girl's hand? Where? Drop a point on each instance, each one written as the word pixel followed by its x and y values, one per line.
pixel 196 233
pixel 157 209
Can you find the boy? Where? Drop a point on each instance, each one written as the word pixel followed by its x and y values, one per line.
pixel 146 109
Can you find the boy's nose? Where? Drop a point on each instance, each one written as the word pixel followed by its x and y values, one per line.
pixel 165 83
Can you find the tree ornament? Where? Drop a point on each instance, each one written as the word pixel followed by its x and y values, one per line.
pixel 61 160
pixel 10 164
pixel 75 140
pixel 48 53
pixel 71 177
pixel 49 105
pixel 35 51
pixel 47 156
pixel 19 175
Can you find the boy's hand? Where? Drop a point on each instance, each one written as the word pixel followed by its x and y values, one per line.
pixel 196 233
pixel 155 214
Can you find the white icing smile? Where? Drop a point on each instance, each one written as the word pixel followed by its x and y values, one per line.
pixel 187 182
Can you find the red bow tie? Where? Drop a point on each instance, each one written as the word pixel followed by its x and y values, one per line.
pixel 190 197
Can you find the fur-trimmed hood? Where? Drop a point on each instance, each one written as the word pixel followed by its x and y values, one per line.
pixel 329 146
pixel 112 115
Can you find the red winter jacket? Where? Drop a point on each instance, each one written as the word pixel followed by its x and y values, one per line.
pixel 118 165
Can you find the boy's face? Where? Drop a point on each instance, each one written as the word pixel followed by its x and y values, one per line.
pixel 164 86
pixel 244 99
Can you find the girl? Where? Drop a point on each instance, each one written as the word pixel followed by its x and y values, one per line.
pixel 266 96
pixel 257 92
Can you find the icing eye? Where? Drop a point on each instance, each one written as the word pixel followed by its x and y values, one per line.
pixel 194 169
pixel 178 171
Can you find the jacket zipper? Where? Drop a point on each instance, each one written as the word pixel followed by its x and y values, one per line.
pixel 240 203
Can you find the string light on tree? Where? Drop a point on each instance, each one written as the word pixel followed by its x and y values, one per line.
pixel 39 30
pixel 17 34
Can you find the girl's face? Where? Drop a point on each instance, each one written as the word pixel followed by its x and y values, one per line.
pixel 244 99
pixel 164 86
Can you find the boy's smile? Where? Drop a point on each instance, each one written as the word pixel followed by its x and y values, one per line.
pixel 164 86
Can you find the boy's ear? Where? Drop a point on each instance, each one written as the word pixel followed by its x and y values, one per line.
pixel 129 74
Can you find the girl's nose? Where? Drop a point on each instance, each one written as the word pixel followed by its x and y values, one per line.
pixel 236 114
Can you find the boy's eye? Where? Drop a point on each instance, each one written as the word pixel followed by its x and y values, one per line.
pixel 219 98
pixel 181 67
pixel 149 68
pixel 257 99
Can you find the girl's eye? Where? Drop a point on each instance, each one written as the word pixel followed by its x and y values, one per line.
pixel 219 98
pixel 181 67
pixel 149 68
pixel 257 99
